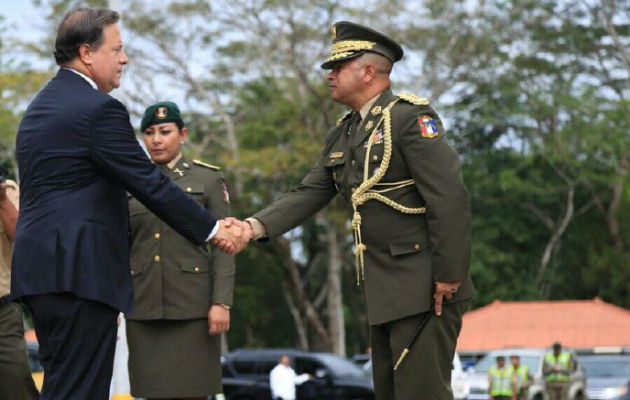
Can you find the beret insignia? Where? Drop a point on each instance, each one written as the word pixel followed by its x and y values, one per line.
pixel 413 99
pixel 161 112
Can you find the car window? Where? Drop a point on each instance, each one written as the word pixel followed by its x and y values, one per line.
pixel 307 366
pixel 265 367
pixel 602 367
pixel 244 367
pixel 340 366
pixel 532 361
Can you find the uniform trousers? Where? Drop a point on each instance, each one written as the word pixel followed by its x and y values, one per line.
pixel 16 382
pixel 557 390
pixel 426 371
pixel 77 339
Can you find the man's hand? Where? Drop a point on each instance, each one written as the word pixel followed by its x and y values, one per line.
pixel 218 319
pixel 231 237
pixel 248 232
pixel 444 289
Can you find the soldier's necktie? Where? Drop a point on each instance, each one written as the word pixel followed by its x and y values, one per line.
pixel 355 120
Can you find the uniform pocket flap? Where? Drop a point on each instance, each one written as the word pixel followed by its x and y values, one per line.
pixel 194 188
pixel 402 248
pixel 334 162
pixel 194 267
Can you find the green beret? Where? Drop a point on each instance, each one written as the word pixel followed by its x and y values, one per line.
pixel 351 40
pixel 164 111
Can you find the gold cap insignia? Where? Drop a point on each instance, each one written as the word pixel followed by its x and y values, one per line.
pixel 333 31
pixel 161 112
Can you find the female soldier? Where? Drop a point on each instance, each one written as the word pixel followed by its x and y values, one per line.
pixel 182 293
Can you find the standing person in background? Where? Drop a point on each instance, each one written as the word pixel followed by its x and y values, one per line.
pixel 183 292
pixel 16 382
pixel 521 377
pixel 500 384
pixel 78 157
pixel 557 368
pixel 282 380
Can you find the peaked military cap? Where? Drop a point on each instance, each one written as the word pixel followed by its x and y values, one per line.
pixel 164 111
pixel 351 40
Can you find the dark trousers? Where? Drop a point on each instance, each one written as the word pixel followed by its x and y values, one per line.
pixel 426 371
pixel 77 338
pixel 16 382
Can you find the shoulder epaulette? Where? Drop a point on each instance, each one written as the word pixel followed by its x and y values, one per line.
pixel 203 164
pixel 346 116
pixel 413 99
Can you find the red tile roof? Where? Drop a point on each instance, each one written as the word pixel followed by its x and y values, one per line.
pixel 574 323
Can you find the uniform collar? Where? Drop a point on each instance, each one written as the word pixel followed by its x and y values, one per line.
pixel 367 106
pixel 177 167
pixel 372 117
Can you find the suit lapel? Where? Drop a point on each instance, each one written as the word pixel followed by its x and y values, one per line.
pixel 371 119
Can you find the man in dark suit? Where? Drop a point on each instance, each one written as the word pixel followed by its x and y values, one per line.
pixel 78 157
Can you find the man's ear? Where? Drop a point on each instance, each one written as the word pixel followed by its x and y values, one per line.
pixel 85 54
pixel 369 73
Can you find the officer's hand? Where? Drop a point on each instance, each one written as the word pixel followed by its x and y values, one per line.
pixel 444 290
pixel 218 319
pixel 231 236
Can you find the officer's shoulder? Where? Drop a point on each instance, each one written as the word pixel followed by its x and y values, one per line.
pixel 411 98
pixel 206 165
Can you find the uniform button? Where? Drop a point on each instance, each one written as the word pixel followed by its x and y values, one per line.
pixel 156 258
pixel 196 269
pixel 157 235
pixel 188 189
pixel 416 246
pixel 374 157
pixel 332 161
pixel 354 162
pixel 133 272
pixel 353 189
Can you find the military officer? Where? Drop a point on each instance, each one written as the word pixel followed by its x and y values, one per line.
pixel 390 160
pixel 182 293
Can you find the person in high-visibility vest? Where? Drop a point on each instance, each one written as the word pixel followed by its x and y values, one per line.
pixel 557 369
pixel 500 384
pixel 521 377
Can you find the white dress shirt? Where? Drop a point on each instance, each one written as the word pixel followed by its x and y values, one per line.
pixel 282 381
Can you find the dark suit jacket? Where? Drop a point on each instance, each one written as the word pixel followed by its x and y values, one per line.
pixel 78 156
pixel 406 253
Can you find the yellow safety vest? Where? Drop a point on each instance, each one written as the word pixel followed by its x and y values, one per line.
pixel 563 360
pixel 522 375
pixel 501 380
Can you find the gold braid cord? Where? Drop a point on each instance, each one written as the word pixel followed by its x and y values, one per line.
pixel 366 192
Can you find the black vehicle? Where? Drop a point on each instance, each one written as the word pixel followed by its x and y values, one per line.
pixel 607 376
pixel 246 375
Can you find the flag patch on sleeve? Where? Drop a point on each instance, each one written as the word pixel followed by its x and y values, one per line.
pixel 428 127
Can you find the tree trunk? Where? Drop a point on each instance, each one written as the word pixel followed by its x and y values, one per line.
pixel 336 325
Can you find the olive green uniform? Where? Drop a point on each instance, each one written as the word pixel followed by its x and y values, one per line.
pixel 405 253
pixel 171 353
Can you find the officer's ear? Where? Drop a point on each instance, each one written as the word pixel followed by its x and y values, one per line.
pixel 369 73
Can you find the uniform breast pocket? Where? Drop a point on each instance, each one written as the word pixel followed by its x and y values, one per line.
pixel 193 189
pixel 374 158
pixel 336 166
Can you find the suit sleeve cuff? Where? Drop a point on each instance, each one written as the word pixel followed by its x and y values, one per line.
pixel 213 232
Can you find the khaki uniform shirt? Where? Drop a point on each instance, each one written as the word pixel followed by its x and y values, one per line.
pixel 174 279
pixel 6 246
pixel 406 253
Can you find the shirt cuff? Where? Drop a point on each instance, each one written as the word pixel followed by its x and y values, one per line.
pixel 213 232
pixel 258 228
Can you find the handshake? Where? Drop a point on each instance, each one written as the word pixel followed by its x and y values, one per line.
pixel 233 235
